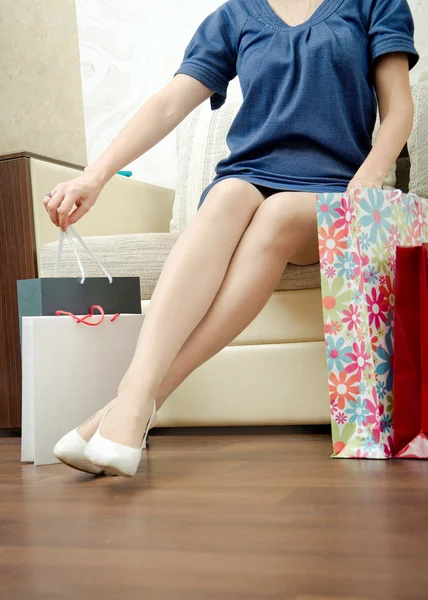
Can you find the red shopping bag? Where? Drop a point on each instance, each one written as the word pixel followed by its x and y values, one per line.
pixel 411 353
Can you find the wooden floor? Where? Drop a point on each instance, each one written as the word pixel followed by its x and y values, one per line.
pixel 217 517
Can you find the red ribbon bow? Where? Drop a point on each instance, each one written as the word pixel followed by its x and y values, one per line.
pixel 91 314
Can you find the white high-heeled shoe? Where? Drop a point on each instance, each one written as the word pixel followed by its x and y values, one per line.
pixel 70 448
pixel 115 458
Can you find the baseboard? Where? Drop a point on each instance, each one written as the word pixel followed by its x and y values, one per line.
pixel 10 432
pixel 243 430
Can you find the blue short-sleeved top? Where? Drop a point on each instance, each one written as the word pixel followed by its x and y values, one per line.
pixel 309 102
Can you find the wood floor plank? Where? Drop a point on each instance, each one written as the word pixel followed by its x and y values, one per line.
pixel 216 517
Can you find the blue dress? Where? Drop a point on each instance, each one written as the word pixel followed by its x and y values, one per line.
pixel 309 102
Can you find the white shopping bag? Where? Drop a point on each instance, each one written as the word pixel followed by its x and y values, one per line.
pixel 69 371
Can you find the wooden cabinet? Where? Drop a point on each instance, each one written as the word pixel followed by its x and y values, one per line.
pixel 17 261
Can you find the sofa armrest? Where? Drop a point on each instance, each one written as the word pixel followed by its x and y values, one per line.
pixel 124 205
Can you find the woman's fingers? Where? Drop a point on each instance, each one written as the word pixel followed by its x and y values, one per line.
pixel 65 208
pixel 48 198
pixel 59 207
pixel 77 214
pixel 52 207
pixel 82 192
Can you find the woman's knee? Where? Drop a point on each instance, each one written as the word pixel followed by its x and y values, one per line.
pixel 287 223
pixel 232 199
pixel 279 218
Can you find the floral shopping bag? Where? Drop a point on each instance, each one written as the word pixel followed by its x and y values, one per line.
pixel 358 233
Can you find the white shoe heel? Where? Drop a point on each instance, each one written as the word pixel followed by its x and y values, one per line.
pixel 70 450
pixel 114 458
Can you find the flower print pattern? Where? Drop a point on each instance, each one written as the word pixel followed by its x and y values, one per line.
pixel 360 454
pixel 386 288
pixel 337 354
pixel 365 241
pixel 388 446
pixel 336 298
pixel 392 262
pixel 346 214
pixel 358 235
pixel 380 257
pixel 334 407
pixel 346 265
pixel 420 218
pixel 328 210
pixel 385 423
pixel 332 243
pixel 343 389
pixel 377 306
pixel 370 375
pixel 355 227
pixel 412 237
pixel 398 216
pixel 360 359
pixel 357 412
pixel 385 366
pixel 369 445
pixel 351 318
pixel 372 419
pixel 361 261
pixel 371 275
pixel 332 328
pixel 393 238
pixel 381 389
pixel 357 296
pixel 375 213
pixel 341 418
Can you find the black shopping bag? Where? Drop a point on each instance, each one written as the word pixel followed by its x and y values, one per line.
pixel 44 296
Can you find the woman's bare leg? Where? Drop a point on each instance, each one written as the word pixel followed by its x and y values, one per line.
pixel 250 280
pixel 188 284
pixel 283 229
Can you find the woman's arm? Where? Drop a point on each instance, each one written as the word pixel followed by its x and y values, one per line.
pixel 157 117
pixel 396 112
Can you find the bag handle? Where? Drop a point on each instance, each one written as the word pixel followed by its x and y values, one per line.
pixel 86 317
pixel 66 234
pixel 400 193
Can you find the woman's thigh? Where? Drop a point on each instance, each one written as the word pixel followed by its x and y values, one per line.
pixel 292 216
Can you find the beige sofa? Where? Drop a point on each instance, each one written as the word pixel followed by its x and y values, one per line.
pixel 274 372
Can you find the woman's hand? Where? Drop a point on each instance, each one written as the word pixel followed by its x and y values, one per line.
pixel 364 181
pixel 81 192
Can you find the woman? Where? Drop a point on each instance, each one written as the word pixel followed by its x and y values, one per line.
pixel 310 73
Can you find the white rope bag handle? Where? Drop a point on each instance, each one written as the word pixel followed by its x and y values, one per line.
pixel 401 193
pixel 66 234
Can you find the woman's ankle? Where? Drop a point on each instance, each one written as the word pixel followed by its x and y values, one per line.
pixel 135 401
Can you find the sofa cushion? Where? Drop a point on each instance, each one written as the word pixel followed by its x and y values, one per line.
pixel 266 384
pixel 418 141
pixel 201 143
pixel 144 255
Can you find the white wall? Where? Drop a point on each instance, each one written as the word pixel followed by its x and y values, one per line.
pixel 130 49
